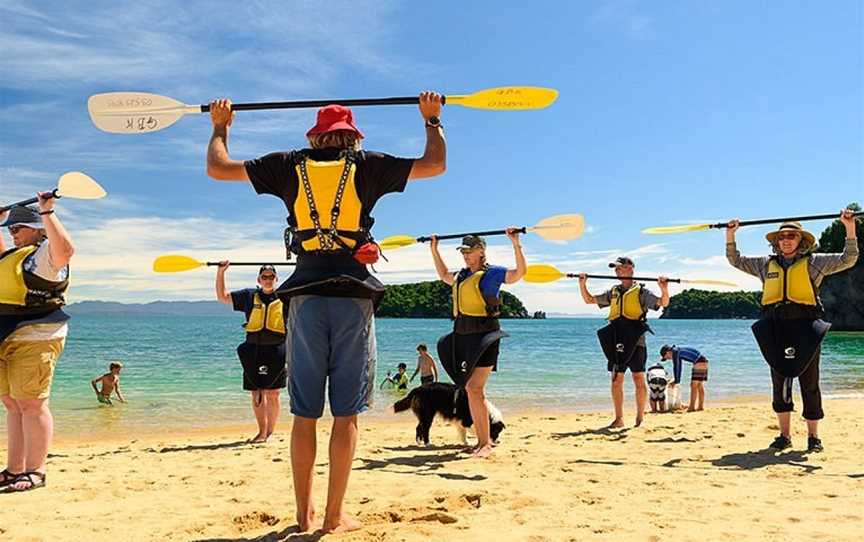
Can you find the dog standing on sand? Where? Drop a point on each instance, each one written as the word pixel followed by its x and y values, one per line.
pixel 451 404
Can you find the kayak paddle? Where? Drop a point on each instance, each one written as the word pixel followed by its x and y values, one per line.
pixel 540 273
pixel 174 263
pixel 73 184
pixel 142 112
pixel 721 225
pixel 554 228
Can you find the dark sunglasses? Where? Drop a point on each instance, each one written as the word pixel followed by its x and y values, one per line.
pixel 788 236
pixel 267 277
pixel 15 229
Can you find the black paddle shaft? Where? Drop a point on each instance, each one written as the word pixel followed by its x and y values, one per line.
pixel 399 100
pixel 253 263
pixel 478 233
pixel 614 277
pixel 779 220
pixel 26 202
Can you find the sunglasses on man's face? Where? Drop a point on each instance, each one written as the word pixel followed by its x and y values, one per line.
pixel 268 277
pixel 788 236
pixel 15 229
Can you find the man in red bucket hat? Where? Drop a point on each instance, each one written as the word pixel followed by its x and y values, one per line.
pixel 329 190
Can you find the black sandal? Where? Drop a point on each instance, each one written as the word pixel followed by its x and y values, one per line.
pixel 29 477
pixel 8 477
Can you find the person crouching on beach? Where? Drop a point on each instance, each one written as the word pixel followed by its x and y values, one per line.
pixel 34 276
pixel 470 353
pixel 790 329
pixel 698 373
pixel 262 354
pixel 658 379
pixel 110 384
pixel 623 340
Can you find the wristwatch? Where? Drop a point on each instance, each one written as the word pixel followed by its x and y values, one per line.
pixel 433 122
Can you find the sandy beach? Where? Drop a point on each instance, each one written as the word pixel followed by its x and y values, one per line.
pixel 698 476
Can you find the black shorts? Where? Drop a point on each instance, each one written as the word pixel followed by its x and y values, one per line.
pixel 428 379
pixel 636 364
pixel 263 366
pixel 489 358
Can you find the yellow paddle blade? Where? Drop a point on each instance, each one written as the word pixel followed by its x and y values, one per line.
pixel 540 273
pixel 560 227
pixel 79 186
pixel 174 264
pixel 707 281
pixel 506 98
pixel 677 229
pixel 397 241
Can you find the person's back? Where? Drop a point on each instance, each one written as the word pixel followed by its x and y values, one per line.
pixel 329 191
pixel 425 366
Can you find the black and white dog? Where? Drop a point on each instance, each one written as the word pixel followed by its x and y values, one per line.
pixel 449 402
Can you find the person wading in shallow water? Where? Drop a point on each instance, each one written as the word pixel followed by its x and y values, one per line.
pixel 329 190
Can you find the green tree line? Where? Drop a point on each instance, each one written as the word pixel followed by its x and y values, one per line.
pixel 433 300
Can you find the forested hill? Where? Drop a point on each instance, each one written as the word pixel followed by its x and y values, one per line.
pixel 433 300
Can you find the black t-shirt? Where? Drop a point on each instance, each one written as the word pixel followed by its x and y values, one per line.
pixel 377 174
pixel 243 301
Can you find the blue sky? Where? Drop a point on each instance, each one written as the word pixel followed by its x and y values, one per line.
pixel 668 112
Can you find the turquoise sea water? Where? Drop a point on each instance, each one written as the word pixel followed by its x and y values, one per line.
pixel 183 372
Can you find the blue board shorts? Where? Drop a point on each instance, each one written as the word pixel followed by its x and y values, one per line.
pixel 330 344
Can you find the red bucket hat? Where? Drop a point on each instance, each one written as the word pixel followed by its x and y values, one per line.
pixel 334 117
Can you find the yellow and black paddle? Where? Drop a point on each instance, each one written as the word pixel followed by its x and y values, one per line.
pixel 721 225
pixel 142 112
pixel 554 228
pixel 174 263
pixel 540 273
pixel 73 184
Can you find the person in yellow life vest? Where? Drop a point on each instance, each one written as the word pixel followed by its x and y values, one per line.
pixel 623 339
pixel 34 276
pixel 470 353
pixel 262 354
pixel 790 329
pixel 329 190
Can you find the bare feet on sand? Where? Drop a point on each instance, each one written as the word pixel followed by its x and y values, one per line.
pixel 638 421
pixel 306 524
pixel 616 423
pixel 258 439
pixel 343 524
pixel 483 452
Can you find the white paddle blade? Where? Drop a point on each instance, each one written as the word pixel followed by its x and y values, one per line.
pixel 135 112
pixel 710 282
pixel 560 227
pixel 75 184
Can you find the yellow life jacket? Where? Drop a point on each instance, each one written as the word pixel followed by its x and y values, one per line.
pixel 340 225
pixel 266 316
pixel 792 284
pixel 22 292
pixel 468 299
pixel 627 305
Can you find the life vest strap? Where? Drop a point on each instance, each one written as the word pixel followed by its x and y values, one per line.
pixel 331 238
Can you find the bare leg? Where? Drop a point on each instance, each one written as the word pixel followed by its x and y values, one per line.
pixel 38 428
pixel 343 441
pixel 701 405
pixel 694 395
pixel 259 407
pixel 15 430
pixel 303 449
pixel 813 428
pixel 618 399
pixel 273 408
pixel 475 387
pixel 783 419
pixel 641 396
